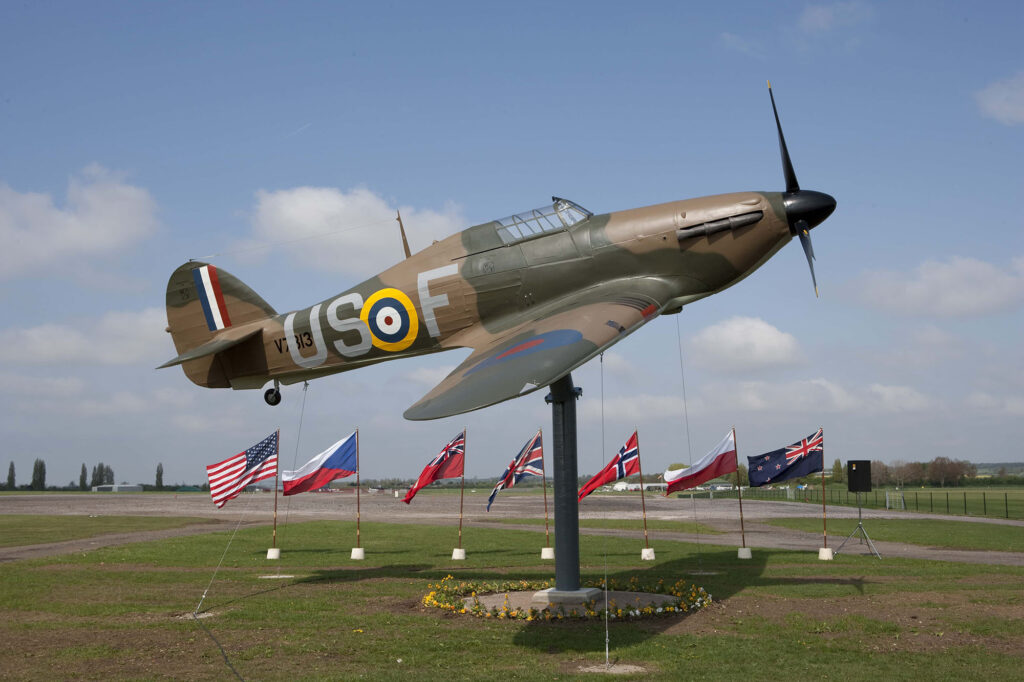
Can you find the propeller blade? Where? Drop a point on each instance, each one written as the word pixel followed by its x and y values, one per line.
pixel 787 166
pixel 805 241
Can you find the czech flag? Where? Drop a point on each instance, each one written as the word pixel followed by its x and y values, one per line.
pixel 338 461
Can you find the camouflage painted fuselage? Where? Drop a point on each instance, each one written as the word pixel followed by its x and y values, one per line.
pixel 578 289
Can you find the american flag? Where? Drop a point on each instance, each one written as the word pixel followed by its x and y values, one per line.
pixel 229 478
pixel 529 462
pixel 624 464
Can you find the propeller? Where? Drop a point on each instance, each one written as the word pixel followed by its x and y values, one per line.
pixel 805 209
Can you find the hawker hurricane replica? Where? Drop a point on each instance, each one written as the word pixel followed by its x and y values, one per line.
pixel 534 295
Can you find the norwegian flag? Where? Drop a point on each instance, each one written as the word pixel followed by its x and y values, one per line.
pixel 447 464
pixel 529 462
pixel 626 463
pixel 804 457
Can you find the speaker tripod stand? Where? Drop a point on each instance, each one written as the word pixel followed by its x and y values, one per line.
pixel 860 529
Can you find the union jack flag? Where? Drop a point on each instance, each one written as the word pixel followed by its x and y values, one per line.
pixel 624 464
pixel 804 448
pixel 447 464
pixel 804 457
pixel 529 462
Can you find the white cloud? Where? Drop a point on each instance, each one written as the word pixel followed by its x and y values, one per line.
pixel 42 387
pixel 117 338
pixel 898 399
pixel 1003 100
pixel 743 344
pixel 636 408
pixel 739 44
pixel 823 18
pixel 102 215
pixel 118 403
pixel 814 396
pixel 963 286
pixel 356 231
pixel 1002 405
pixel 430 376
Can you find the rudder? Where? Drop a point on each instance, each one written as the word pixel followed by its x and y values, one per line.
pixel 204 303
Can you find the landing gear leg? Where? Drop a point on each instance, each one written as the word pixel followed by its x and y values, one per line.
pixel 273 395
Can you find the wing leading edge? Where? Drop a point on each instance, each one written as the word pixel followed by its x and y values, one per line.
pixel 539 351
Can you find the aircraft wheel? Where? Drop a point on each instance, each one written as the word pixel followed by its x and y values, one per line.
pixel 272 396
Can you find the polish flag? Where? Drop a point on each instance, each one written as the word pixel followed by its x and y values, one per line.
pixel 718 462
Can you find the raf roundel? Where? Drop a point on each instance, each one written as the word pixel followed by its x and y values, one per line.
pixel 392 320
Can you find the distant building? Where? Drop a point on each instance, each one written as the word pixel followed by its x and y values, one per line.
pixel 117 488
pixel 623 486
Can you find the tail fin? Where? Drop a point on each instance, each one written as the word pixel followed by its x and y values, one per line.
pixel 208 312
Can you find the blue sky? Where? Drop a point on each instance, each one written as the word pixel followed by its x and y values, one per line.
pixel 139 135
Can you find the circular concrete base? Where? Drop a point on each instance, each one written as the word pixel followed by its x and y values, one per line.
pixel 825 554
pixel 647 554
pixel 458 554
pixel 547 553
pixel 358 554
pixel 274 553
pixel 743 553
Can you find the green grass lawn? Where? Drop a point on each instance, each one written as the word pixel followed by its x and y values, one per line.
pixel 620 524
pixel 991 502
pixel 951 534
pixel 26 529
pixel 117 612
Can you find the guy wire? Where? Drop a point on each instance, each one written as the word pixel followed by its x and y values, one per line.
pixel 689 447
pixel 195 613
pixel 607 661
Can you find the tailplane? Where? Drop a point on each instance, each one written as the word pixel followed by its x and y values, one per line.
pixel 209 312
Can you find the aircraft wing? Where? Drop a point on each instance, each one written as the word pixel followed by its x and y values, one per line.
pixel 534 353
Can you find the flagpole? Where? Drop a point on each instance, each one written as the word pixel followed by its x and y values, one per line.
pixel 544 481
pixel 357 488
pixel 643 504
pixel 824 522
pixel 277 475
pixel 462 489
pixel 739 487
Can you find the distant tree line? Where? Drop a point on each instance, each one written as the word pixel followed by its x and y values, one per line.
pixel 102 474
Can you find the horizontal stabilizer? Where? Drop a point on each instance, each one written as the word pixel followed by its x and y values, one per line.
pixel 217 345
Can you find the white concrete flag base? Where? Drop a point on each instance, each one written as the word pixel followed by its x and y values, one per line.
pixel 274 553
pixel 547 552
pixel 743 553
pixel 458 554
pixel 825 554
pixel 358 554
pixel 647 554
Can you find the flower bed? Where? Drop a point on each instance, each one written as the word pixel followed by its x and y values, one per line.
pixel 450 595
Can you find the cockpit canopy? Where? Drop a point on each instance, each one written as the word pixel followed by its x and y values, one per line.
pixel 559 215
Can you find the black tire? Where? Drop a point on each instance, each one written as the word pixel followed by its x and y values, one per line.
pixel 272 396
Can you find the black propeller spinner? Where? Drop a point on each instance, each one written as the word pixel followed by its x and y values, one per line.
pixel 805 209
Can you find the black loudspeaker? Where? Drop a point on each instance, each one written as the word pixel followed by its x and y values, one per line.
pixel 858 475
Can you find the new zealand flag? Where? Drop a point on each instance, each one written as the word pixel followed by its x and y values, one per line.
pixel 799 459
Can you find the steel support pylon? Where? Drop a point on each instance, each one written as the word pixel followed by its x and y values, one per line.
pixel 563 398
